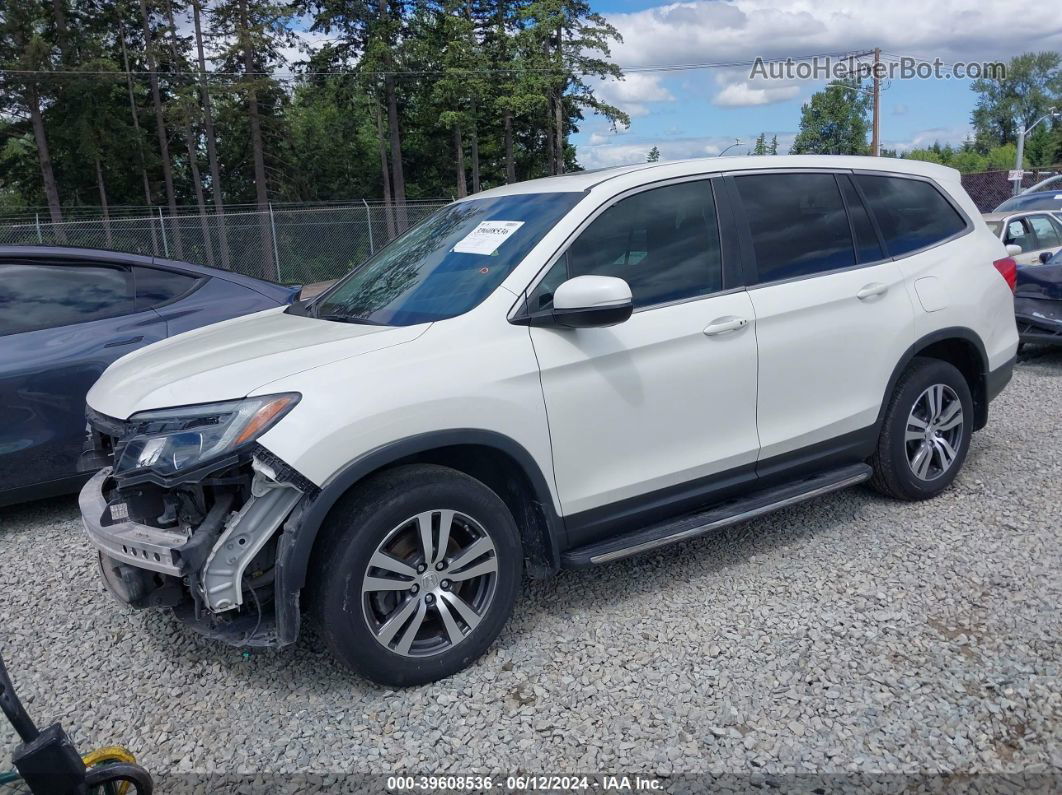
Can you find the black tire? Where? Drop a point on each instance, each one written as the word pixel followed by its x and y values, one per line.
pixel 894 475
pixel 363 520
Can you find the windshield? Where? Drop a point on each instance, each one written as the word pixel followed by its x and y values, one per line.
pixel 446 265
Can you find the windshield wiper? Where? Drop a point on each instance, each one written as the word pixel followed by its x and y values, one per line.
pixel 349 319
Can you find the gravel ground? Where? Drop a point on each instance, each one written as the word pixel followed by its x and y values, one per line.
pixel 851 633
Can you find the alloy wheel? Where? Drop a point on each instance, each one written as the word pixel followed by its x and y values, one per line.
pixel 934 431
pixel 429 583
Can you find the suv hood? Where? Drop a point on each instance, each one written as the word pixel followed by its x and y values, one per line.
pixel 233 359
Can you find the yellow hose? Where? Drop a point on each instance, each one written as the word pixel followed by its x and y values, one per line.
pixel 110 754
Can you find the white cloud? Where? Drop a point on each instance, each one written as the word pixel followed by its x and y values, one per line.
pixel 738 30
pixel 748 93
pixel 924 138
pixel 633 92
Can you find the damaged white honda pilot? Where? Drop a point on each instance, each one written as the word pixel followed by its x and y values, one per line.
pixel 557 373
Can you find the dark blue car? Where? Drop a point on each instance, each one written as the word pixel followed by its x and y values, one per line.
pixel 67 313
pixel 1038 302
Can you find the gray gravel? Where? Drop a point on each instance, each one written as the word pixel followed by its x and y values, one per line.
pixel 852 633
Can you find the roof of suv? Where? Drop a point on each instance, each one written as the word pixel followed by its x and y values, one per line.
pixel 578 181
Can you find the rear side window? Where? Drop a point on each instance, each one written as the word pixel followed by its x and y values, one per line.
pixel 38 296
pixel 155 287
pixel 798 223
pixel 911 213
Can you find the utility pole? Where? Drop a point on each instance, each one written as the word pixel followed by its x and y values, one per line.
pixel 1019 158
pixel 875 136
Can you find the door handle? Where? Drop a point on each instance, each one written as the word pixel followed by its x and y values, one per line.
pixel 724 325
pixel 872 289
pixel 119 343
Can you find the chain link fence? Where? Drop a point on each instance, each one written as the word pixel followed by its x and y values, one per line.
pixel 292 245
pixel 989 189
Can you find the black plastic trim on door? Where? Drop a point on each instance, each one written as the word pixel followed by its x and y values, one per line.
pixel 729 236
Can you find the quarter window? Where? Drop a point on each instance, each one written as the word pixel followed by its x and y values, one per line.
pixel 798 223
pixel 38 296
pixel 155 287
pixel 911 213
pixel 663 242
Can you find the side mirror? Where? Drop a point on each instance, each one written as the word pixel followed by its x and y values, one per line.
pixel 1013 249
pixel 592 301
pixel 1045 256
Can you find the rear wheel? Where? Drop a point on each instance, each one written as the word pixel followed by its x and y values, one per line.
pixel 926 432
pixel 418 574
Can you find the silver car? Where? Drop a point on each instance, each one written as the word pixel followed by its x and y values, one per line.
pixel 1027 235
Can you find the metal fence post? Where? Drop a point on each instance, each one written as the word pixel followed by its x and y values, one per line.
pixel 39 238
pixel 368 223
pixel 276 250
pixel 165 243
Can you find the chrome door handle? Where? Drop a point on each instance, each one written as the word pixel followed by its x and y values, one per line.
pixel 725 325
pixel 872 289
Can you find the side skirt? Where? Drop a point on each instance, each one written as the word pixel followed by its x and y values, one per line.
pixel 750 506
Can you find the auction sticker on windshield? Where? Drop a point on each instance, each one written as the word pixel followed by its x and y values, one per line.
pixel 486 237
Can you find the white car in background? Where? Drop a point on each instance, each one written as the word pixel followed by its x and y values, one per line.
pixel 1028 236
pixel 551 374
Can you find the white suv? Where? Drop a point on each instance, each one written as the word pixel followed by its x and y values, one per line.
pixel 556 373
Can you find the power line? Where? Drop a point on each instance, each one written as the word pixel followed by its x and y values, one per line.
pixel 297 75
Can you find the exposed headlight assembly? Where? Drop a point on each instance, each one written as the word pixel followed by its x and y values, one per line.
pixel 169 441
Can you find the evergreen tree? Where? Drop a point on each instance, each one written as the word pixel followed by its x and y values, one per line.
pixel 834 121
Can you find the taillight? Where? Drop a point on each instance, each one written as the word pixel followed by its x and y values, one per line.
pixel 1008 269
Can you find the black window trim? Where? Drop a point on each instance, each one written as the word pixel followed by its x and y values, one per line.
pixel 733 277
pixel 745 231
pixel 75 263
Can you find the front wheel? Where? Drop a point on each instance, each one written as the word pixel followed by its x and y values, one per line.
pixel 926 432
pixel 418 574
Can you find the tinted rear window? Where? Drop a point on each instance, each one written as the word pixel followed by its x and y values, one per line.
pixel 38 296
pixel 798 223
pixel 911 213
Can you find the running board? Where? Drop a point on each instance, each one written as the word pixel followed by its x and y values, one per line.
pixel 731 512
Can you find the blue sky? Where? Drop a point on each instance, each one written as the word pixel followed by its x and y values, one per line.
pixel 698 112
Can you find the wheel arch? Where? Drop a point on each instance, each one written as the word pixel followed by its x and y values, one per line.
pixel 498 461
pixel 959 346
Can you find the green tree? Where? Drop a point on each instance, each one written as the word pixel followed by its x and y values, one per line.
pixel 760 147
pixel 25 31
pixel 834 121
pixel 654 155
pixel 254 31
pixel 566 43
pixel 1005 105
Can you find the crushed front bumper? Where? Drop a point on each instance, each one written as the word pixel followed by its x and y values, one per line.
pixel 218 574
pixel 125 541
